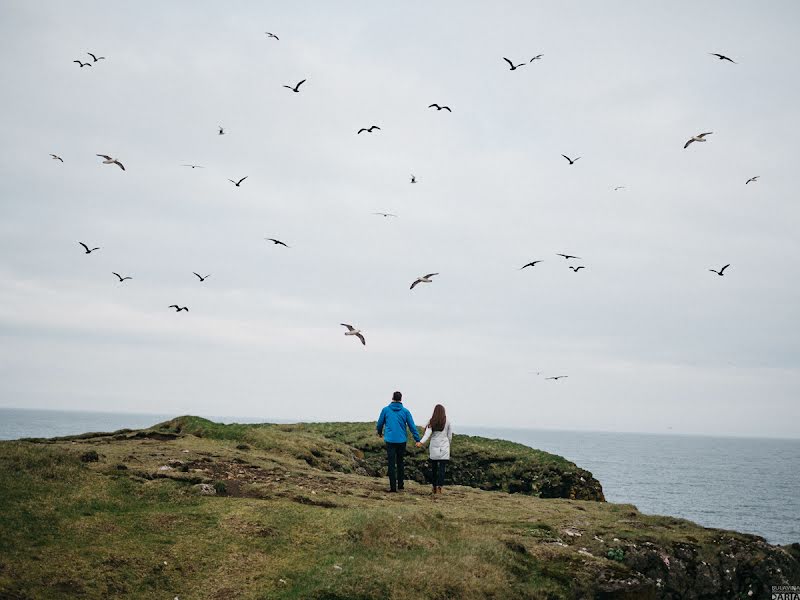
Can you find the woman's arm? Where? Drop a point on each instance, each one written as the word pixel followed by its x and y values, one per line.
pixel 427 435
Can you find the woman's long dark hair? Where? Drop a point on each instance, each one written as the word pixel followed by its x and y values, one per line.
pixel 438 419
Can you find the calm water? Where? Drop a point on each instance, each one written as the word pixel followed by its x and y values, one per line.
pixel 746 484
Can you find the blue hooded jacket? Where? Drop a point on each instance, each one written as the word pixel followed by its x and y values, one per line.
pixel 393 422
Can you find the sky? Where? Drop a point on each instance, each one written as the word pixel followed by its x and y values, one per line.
pixel 650 339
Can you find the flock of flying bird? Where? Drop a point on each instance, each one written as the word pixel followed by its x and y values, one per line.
pixel 351 330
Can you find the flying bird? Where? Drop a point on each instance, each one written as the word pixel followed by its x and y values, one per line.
pixel 571 160
pixel 194 166
pixel 557 377
pixel 700 137
pixel 238 183
pixel 722 57
pixel 276 242
pixel 111 161
pixel 746 182
pixel 413 178
pixel 272 35
pixel 437 107
pixel 512 65
pixel 57 157
pixel 121 278
pixel 530 264
pixel 221 130
pixel 353 331
pixel 721 271
pixel 423 279
pixel 568 256
pixel 96 58
pixel 619 187
pixel 576 269
pixel 296 88
pixel 201 278
pixel 178 308
pixel 369 129
pixel 537 57
pixel 384 214
pixel 82 64
pixel 88 250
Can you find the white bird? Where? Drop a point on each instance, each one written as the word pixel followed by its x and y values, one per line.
pixel 700 137
pixel 111 161
pixel 353 331
pixel 423 279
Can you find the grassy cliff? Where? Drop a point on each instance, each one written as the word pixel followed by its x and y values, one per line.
pixel 196 509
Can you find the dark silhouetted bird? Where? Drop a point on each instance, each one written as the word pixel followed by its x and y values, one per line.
pixel 384 214
pixel 96 58
pixel 721 271
pixel 121 278
pixel 512 65
pixel 238 183
pixel 576 269
pixel 57 157
pixel 194 166
pixel 221 130
pixel 722 57
pixel 296 88
pixel 537 57
pixel 568 256
pixel 571 160
pixel 178 308
pixel 276 242
pixel 437 107
pixel 272 35
pixel 201 278
pixel 557 377
pixel 88 251
pixel 413 178
pixel 530 264
pixel 82 64
pixel 369 129
pixel 756 178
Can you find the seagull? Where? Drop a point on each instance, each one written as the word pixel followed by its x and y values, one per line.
pixel 369 129
pixel 57 157
pixel 384 214
pixel 571 160
pixel 423 279
pixel 512 65
pixel 437 107
pixel 121 278
pixel 530 264
pixel 272 35
pixel 413 178
pixel 722 57
pixel 202 279
pixel 353 331
pixel 178 308
pixel 619 187
pixel 96 58
pixel 88 251
pixel 700 137
pixel 296 88
pixel 576 269
pixel 721 271
pixel 568 256
pixel 556 378
pixel 276 242
pixel 82 64
pixel 746 182
pixel 194 166
pixel 111 161
pixel 537 57
pixel 238 183
pixel 221 130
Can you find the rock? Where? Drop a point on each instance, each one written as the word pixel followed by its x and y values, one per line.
pixel 205 489
pixel 121 468
pixel 165 468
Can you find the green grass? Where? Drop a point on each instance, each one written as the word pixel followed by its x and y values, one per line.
pixel 290 530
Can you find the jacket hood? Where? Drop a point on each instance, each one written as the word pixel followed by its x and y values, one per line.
pixel 396 406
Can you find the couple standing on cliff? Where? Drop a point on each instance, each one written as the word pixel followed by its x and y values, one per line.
pixel 392 424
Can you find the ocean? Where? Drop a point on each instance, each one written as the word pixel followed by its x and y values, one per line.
pixel 747 484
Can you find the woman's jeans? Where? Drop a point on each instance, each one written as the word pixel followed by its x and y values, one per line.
pixel 437 472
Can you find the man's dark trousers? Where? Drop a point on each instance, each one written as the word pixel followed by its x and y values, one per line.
pixel 395 452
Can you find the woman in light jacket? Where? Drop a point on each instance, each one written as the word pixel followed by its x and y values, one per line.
pixel 440 433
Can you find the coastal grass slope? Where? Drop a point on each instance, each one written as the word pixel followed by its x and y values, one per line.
pixel 196 509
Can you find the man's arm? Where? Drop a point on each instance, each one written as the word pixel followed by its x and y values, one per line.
pixel 411 426
pixel 381 421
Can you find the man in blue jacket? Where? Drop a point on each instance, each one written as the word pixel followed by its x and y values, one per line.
pixel 392 425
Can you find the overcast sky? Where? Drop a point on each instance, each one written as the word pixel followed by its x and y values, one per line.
pixel 650 339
